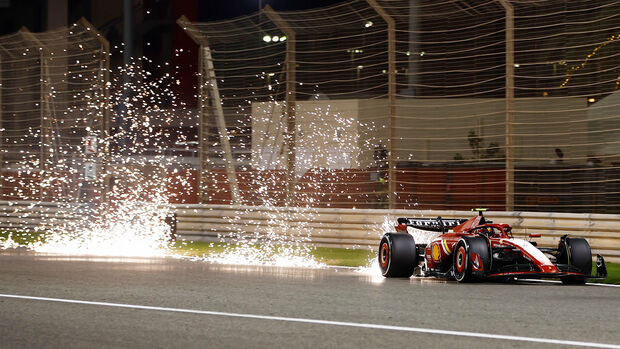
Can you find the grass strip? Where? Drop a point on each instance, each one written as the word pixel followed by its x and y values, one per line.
pixel 22 238
pixel 330 256
pixel 613 274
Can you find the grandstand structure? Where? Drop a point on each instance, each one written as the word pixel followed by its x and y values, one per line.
pixel 54 115
pixel 509 104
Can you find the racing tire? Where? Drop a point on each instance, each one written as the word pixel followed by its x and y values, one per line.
pixel 397 255
pixel 467 268
pixel 576 252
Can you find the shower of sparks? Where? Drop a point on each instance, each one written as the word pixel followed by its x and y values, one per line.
pixel 9 243
pixel 129 229
pixel 105 189
pixel 130 218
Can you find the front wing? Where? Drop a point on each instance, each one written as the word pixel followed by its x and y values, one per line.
pixel 563 270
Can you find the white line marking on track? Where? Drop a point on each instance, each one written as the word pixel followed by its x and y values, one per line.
pixel 325 322
pixel 558 282
pixel 604 285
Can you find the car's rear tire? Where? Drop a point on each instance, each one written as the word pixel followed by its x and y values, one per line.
pixel 397 255
pixel 576 252
pixel 466 266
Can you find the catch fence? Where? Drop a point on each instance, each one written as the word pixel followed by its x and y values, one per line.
pixel 54 115
pixel 507 104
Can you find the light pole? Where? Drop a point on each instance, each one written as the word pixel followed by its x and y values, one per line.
pixel 260 22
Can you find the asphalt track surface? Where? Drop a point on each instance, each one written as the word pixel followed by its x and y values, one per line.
pixel 81 302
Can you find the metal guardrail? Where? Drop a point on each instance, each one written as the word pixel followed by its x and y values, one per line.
pixel 35 215
pixel 332 227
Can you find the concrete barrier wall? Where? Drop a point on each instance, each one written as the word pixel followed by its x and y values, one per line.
pixel 349 228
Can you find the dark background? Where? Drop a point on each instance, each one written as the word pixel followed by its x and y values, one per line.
pixel 157 36
pixel 33 13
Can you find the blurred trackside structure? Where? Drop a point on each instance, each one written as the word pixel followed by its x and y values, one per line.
pixel 512 105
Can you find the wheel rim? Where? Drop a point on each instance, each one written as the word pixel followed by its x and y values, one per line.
pixel 461 259
pixel 384 255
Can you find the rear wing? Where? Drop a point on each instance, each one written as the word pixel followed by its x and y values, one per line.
pixel 432 224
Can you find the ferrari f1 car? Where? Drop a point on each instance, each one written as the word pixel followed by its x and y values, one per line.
pixel 476 249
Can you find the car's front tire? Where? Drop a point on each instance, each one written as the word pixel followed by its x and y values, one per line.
pixel 397 255
pixel 471 258
pixel 575 251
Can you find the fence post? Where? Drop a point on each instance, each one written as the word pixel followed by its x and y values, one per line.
pixel 208 86
pixel 291 124
pixel 391 99
pixel 2 129
pixel 510 84
pixel 46 112
pixel 203 130
pixel 104 76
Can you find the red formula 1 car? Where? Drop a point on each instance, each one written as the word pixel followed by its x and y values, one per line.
pixel 477 249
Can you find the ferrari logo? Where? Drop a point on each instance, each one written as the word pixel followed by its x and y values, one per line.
pixel 436 252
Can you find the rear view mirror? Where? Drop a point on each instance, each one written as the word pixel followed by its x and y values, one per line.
pixel 535 235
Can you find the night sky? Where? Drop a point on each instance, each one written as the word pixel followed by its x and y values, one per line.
pixel 32 13
pixel 210 10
